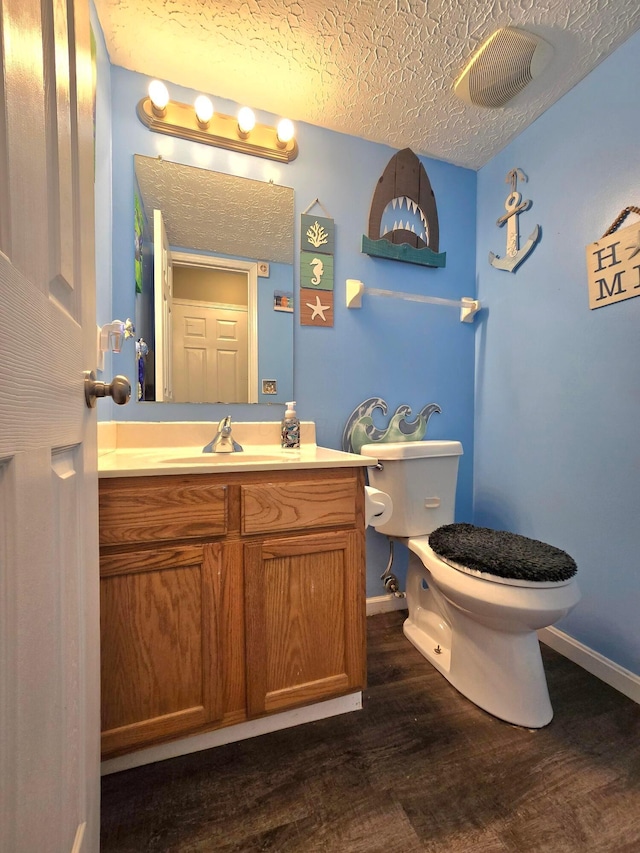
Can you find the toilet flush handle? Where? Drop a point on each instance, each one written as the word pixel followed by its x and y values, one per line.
pixel 432 503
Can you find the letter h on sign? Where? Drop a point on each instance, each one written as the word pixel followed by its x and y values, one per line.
pixel 613 267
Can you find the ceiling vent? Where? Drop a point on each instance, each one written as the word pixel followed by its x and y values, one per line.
pixel 502 67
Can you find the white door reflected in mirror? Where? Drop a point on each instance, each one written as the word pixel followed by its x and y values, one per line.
pixel 214 338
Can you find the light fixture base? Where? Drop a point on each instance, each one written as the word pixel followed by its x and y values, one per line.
pixel 181 121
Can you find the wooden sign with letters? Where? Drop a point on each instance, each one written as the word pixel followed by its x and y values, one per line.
pixel 613 267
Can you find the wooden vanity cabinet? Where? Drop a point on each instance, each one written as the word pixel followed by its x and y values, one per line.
pixel 227 597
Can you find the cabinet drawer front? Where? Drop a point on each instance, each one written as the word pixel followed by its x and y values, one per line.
pixel 271 507
pixel 162 511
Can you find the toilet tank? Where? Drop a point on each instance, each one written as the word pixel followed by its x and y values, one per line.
pixel 421 478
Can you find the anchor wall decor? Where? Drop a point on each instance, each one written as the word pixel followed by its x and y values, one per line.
pixel 514 207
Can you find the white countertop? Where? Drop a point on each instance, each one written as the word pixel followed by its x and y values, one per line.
pixel 135 462
pixel 135 449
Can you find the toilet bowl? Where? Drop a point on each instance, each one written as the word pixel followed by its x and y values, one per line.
pixel 474 610
pixel 480 632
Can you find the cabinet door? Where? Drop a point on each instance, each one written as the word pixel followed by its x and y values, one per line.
pixel 305 619
pixel 159 615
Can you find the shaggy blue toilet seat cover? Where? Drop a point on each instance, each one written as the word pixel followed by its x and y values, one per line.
pixel 500 553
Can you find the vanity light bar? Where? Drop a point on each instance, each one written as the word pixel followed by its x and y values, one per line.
pixel 222 131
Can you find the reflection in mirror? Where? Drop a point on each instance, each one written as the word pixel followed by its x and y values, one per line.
pixel 214 354
pixel 214 281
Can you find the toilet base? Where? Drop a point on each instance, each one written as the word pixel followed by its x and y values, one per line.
pixel 501 672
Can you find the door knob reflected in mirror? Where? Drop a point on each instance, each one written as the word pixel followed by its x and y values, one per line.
pixel 119 389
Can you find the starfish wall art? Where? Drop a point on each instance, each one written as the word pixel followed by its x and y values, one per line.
pixel 316 269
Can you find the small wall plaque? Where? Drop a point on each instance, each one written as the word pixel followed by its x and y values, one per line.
pixel 613 267
pixel 283 301
pixel 316 307
pixel 317 234
pixel 316 271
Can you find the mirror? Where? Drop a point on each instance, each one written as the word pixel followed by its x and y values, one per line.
pixel 214 282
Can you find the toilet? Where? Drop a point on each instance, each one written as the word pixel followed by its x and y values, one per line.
pixel 476 597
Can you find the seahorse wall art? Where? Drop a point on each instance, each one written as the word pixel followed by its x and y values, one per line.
pixel 317 239
pixel 360 428
pixel 403 218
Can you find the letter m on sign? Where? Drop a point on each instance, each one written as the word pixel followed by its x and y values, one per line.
pixel 613 267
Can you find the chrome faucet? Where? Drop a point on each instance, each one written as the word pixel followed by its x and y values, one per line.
pixel 223 441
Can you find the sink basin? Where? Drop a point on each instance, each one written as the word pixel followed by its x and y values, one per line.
pixel 218 458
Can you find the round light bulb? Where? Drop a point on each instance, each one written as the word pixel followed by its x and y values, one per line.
pixel 204 110
pixel 285 131
pixel 246 121
pixel 159 95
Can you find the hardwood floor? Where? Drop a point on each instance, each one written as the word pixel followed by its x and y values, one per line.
pixel 418 769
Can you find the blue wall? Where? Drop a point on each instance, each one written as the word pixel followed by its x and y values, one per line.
pixel 558 385
pixel 404 352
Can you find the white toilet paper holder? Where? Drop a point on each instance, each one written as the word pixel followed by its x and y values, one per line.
pixel 378 506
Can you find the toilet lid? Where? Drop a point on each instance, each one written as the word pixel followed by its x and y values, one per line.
pixel 501 554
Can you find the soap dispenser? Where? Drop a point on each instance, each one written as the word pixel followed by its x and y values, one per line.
pixel 290 435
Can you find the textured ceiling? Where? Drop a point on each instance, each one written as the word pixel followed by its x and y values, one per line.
pixel 378 69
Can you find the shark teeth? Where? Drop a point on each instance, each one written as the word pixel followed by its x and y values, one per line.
pixel 415 221
pixel 403 202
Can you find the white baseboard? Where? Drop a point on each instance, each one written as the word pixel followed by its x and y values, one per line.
pixel 606 670
pixel 231 734
pixel 385 603
pixel 616 676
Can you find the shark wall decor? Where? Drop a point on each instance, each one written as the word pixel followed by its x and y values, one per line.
pixel 514 207
pixel 403 219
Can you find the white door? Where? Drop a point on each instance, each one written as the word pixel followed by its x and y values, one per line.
pixel 250 268
pixel 49 613
pixel 210 359
pixel 162 308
